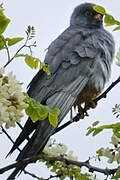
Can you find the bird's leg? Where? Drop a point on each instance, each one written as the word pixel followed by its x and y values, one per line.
pixel 82 112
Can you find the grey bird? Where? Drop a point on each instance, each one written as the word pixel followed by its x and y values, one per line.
pixel 80 64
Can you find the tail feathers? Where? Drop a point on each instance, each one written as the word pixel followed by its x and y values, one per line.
pixel 37 141
pixel 35 144
pixel 17 171
pixel 27 130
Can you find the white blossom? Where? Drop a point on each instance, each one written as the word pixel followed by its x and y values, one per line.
pixel 11 100
pixel 113 154
pixel 109 154
pixel 2 71
pixel 54 150
pixel 115 140
pixel 71 156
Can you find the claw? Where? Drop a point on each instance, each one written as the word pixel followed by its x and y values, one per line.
pixel 91 104
pixel 82 112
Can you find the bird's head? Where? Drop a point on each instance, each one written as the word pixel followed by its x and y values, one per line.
pixel 85 15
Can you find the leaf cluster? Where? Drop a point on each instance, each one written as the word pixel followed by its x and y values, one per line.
pixel 45 68
pixel 4 21
pixel 37 111
pixel 30 32
pixel 109 19
pixel 96 130
pixel 31 61
pixel 117 175
pixel 6 43
pixel 63 171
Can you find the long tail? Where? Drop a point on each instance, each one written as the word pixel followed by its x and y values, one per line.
pixel 26 131
pixel 18 169
pixel 34 146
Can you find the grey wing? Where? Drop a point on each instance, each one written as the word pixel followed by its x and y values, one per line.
pixel 71 66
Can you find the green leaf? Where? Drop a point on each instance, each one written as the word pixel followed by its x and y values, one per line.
pixel 20 55
pixel 99 9
pixel 53 117
pixel 117 174
pixel 2 42
pixel 45 68
pixel 41 178
pixel 48 164
pixel 90 131
pixel 100 151
pixel 116 132
pixel 95 123
pixel 31 61
pixel 117 28
pixel 37 111
pixel 115 127
pixel 13 41
pixel 30 32
pixel 109 20
pixel 4 21
pixel 97 130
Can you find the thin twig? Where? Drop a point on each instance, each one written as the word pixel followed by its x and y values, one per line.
pixel 19 125
pixel 3 130
pixel 7 168
pixel 6 47
pixel 14 56
pixel 31 174
pixel 8 53
pixel 30 47
pixel 25 45
pixel 104 94
pixel 55 176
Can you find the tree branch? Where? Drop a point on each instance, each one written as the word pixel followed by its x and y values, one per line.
pixel 61 159
pixel 55 176
pixel 104 94
pixel 31 174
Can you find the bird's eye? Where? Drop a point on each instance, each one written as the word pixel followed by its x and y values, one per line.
pixel 88 13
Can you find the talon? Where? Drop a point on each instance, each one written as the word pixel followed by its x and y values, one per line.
pixel 86 113
pixel 82 112
pixel 92 104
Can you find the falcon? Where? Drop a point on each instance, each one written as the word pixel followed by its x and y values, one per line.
pixel 80 64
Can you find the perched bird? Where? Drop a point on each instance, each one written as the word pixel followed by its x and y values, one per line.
pixel 80 65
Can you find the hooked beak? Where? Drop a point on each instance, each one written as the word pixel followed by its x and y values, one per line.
pixel 98 17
